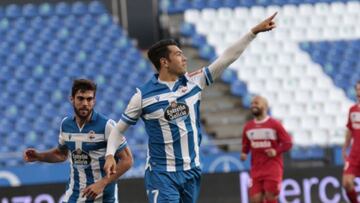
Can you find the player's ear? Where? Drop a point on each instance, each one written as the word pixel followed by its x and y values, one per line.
pixel 71 99
pixel 163 62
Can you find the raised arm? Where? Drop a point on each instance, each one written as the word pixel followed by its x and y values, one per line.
pixel 234 51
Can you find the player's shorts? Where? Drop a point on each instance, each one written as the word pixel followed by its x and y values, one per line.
pixel 351 169
pixel 263 186
pixel 173 187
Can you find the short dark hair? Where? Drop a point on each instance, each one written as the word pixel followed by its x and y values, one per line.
pixel 83 85
pixel 160 50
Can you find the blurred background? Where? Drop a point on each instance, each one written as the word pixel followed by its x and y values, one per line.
pixel 306 68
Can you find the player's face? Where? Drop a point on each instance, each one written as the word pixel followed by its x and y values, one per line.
pixel 357 89
pixel 83 103
pixel 257 107
pixel 177 62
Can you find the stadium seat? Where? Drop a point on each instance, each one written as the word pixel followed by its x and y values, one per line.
pixel 29 10
pixel 95 7
pixel 62 9
pixel 45 9
pixel 12 11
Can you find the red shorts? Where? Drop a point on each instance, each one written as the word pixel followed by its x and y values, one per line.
pixel 351 169
pixel 262 186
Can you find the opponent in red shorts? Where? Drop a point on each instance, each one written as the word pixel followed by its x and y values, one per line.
pixel 266 139
pixel 352 162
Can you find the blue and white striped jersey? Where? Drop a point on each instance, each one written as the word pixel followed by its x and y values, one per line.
pixel 87 148
pixel 172 120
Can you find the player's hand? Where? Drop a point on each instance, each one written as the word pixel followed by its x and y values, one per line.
pixel 243 156
pixel 30 155
pixel 93 190
pixel 265 25
pixel 270 152
pixel 110 166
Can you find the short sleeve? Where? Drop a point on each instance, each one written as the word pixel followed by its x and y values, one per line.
pixel 201 77
pixel 62 136
pixel 133 110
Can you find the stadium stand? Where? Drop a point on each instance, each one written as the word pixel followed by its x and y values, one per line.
pixel 46 46
pixel 301 95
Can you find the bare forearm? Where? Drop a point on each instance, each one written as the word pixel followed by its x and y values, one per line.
pixel 230 55
pixel 52 156
pixel 347 139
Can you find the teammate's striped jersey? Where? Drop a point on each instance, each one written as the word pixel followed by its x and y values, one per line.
pixel 172 120
pixel 87 148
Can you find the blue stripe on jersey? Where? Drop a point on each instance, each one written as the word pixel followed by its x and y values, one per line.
pixel 87 146
pixel 127 119
pixel 76 189
pixel 70 145
pixel 149 90
pixel 197 118
pixel 122 146
pixel 156 106
pixel 192 92
pixel 209 79
pixel 177 146
pixel 156 146
pixel 90 146
pixel 190 141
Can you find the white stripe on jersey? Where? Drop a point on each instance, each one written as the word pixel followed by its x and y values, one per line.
pixel 192 115
pixel 184 145
pixel 82 137
pixel 69 191
pixel 169 149
pixel 261 134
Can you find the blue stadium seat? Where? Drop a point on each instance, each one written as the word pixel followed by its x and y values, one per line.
pixel 48 84
pixel 13 11
pixel 62 9
pixel 46 35
pixel 40 98
pixel 13 60
pixel 229 76
pixel 181 5
pixel 187 29
pixel 31 111
pixel 4 25
pixel 95 7
pixel 231 3
pixel 6 127
pixel 22 73
pixel 198 40
pixel 29 35
pixel 45 9
pixel 12 36
pixel 87 21
pixel 207 52
pixel 37 23
pixel 31 59
pixel 65 59
pixel 214 3
pixel 198 4
pixel 12 112
pixel 54 22
pixel 104 20
pixel 247 3
pixel 79 8
pixel 13 86
pixel 31 139
pixel 22 126
pixel 29 10
pixel 21 24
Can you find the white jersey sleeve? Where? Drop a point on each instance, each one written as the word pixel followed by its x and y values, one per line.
pixel 133 110
pixel 201 77
pixel 61 136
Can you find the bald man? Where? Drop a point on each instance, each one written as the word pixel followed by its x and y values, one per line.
pixel 266 139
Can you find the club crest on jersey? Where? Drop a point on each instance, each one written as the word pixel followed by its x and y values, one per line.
pixel 176 112
pixel 183 89
pixel 80 159
pixel 91 134
pixel 157 98
pixel 70 136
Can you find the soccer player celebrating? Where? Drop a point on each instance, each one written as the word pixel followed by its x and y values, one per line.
pixel 169 106
pixel 266 139
pixel 82 140
pixel 352 162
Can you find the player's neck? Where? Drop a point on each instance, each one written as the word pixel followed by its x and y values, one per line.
pixel 261 118
pixel 167 77
pixel 81 121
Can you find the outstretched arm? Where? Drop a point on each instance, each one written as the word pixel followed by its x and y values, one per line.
pixel 52 156
pixel 234 51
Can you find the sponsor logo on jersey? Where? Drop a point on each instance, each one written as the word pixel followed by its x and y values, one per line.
pixel 80 159
pixel 183 89
pixel 260 144
pixel 176 112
